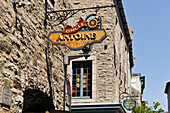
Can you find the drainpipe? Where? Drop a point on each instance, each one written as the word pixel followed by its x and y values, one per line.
pixel 47 54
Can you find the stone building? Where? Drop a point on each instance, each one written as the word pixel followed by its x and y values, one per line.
pixel 102 79
pixel 31 69
pixel 167 91
pixel 137 87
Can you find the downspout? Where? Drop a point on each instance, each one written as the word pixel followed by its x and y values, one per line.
pixel 47 56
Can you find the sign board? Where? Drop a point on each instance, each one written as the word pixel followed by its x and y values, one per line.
pixel 129 104
pixel 76 37
pixel 6 96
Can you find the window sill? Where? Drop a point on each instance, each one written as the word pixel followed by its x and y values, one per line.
pixel 81 98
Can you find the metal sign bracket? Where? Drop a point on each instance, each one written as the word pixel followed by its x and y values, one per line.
pixel 63 15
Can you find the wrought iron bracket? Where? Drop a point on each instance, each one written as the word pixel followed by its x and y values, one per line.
pixel 62 15
pixel 122 95
pixel 97 7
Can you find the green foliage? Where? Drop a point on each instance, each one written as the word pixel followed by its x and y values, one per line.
pixel 146 109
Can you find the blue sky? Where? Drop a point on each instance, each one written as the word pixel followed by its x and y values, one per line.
pixel 150 21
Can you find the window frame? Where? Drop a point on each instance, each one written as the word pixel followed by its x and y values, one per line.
pixel 94 77
pixel 81 78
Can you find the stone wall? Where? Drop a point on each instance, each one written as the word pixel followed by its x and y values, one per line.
pixel 136 95
pixel 23 60
pixel 112 63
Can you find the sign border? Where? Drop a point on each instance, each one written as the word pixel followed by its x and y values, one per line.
pixel 129 100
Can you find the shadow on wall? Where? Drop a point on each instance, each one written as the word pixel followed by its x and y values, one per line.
pixel 37 101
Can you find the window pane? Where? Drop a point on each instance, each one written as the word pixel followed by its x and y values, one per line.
pixel 78 71
pixel 78 65
pixel 85 65
pixel 73 94
pixel 74 83
pixel 89 93
pixel 74 77
pixel 85 71
pixel 89 64
pixel 78 94
pixel 74 71
pixel 85 93
pixel 89 70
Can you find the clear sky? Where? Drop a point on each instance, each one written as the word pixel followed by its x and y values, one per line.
pixel 150 21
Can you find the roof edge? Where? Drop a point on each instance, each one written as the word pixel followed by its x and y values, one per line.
pixel 126 29
pixel 98 106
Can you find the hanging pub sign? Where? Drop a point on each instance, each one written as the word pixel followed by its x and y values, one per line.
pixel 86 32
pixel 129 104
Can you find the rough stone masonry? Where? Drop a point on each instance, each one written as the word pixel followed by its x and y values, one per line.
pixel 111 56
pixel 23 57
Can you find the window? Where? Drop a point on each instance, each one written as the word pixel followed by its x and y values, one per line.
pixel 82 79
pixel 116 21
pixel 114 56
pixel 105 47
pixel 121 36
pixel 125 80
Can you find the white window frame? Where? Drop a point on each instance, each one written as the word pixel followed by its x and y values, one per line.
pixel 93 59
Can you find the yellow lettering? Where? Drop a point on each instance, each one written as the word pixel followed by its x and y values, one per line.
pixel 71 30
pixel 71 44
pixel 75 29
pixel 82 24
pixel 67 31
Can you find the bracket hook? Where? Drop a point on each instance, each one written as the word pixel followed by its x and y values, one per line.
pixel 97 9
